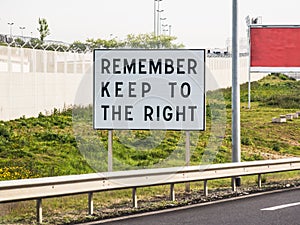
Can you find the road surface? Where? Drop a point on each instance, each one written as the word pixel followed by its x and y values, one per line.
pixel 281 208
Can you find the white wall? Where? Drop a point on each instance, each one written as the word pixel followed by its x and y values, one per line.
pixel 30 93
pixel 34 81
pixel 219 72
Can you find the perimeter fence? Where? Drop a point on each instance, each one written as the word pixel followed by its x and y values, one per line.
pixel 38 77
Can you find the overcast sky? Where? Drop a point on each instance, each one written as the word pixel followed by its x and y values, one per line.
pixel 196 23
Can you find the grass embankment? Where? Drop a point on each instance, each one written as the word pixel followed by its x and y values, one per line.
pixel 49 146
pixel 38 147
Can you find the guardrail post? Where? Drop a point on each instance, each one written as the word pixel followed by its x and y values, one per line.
pixel 233 183
pixel 188 187
pixel 91 203
pixel 39 211
pixel 134 198
pixel 259 180
pixel 172 192
pixel 205 188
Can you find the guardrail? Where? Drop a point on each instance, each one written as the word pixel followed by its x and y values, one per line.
pixel 39 188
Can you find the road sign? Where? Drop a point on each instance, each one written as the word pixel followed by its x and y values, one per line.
pixel 149 89
pixel 275 48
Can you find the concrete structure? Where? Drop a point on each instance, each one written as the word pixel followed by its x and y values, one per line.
pixel 281 119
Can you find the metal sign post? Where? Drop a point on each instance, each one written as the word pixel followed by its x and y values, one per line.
pixel 236 126
pixel 187 156
pixel 248 21
pixel 110 151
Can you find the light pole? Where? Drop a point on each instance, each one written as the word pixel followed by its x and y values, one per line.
pixel 164 28
pixel 170 30
pixel 156 9
pixel 10 28
pixel 161 19
pixel 236 123
pixel 158 16
pixel 154 15
pixel 22 29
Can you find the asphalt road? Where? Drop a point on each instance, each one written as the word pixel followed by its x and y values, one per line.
pixel 281 208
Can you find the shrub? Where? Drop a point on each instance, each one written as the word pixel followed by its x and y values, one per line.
pixel 4 132
pixel 246 141
pixel 276 147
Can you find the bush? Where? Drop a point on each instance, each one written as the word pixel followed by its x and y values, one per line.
pixel 276 147
pixel 246 141
pixel 4 132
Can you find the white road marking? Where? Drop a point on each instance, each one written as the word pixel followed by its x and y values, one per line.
pixel 281 206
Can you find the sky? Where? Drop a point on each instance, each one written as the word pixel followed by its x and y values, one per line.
pixel 195 23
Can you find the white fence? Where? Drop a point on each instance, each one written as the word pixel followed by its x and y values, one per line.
pixel 34 81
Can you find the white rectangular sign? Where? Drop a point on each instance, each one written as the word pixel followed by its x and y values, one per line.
pixel 149 89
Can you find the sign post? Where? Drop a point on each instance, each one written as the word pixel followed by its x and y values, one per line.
pixel 187 157
pixel 110 151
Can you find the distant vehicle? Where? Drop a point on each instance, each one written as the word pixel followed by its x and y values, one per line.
pixel 217 51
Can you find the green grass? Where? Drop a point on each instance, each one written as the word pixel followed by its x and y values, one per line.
pixel 44 145
pixel 64 143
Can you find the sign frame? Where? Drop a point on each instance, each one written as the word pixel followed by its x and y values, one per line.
pixel 163 54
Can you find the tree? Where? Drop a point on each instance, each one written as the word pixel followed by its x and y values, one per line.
pixel 144 41
pixel 101 43
pixel 150 41
pixel 78 46
pixel 43 29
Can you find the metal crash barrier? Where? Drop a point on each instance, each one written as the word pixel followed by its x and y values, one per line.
pixel 40 188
